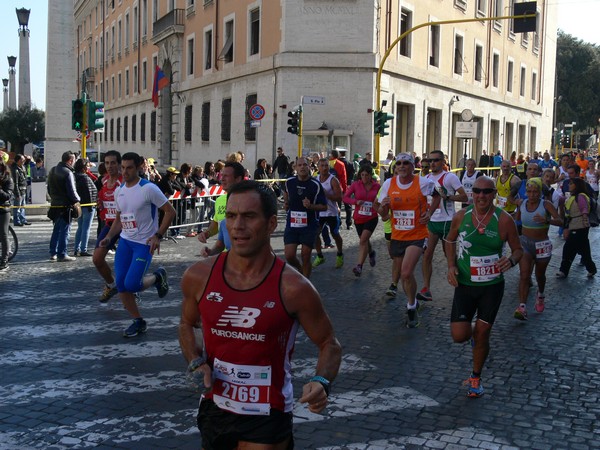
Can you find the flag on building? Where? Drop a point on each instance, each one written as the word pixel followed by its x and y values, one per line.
pixel 160 82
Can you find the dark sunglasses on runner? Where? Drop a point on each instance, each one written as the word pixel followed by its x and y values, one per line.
pixel 486 191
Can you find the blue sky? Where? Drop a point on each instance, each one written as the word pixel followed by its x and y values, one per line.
pixel 577 17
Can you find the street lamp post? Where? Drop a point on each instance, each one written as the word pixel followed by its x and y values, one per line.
pixel 5 90
pixel 24 76
pixel 12 93
pixel 557 100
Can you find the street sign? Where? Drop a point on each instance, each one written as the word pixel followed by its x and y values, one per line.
pixel 256 112
pixel 255 124
pixel 466 130
pixel 313 100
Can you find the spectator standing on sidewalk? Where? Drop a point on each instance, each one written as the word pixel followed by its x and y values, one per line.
pixel 63 195
pixel 20 190
pixel 137 201
pixel 88 193
pixel 475 267
pixel 6 192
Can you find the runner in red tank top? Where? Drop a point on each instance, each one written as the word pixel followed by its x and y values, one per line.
pixel 250 305
pixel 107 212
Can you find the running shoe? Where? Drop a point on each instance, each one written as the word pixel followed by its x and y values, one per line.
pixel 372 260
pixel 475 388
pixel 329 246
pixel 425 295
pixel 539 302
pixel 318 261
pixel 137 326
pixel 161 283
pixel 392 290
pixel 138 298
pixel 521 312
pixel 561 275
pixel 412 318
pixel 108 293
pixel 357 270
pixel 591 274
pixel 86 254
pixel 65 258
pixel 53 258
pixel 339 261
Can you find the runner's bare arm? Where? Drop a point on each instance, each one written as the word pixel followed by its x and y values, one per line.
pixel 509 233
pixel 193 283
pixel 451 247
pixel 115 230
pixel 303 301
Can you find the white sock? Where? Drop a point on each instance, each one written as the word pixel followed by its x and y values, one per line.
pixel 413 306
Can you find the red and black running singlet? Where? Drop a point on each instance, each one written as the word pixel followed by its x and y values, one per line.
pixel 249 340
pixel 106 200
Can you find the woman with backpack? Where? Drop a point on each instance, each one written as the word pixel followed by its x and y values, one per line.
pixel 577 228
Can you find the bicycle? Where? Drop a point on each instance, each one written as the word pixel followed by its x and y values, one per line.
pixel 13 243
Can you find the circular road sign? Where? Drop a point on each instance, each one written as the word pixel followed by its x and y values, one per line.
pixel 257 112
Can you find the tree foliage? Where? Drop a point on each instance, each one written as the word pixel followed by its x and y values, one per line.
pixel 22 126
pixel 578 81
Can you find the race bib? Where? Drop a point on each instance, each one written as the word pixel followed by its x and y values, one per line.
pixel 110 209
pixel 543 249
pixel 502 201
pixel 484 268
pixel 298 219
pixel 242 389
pixel 128 224
pixel 365 209
pixel 404 220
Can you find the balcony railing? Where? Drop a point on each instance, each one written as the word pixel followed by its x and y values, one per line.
pixel 172 19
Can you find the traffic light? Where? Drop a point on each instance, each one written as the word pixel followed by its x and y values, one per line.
pixel 294 121
pixel 567 140
pixel 95 115
pixel 380 121
pixel 77 115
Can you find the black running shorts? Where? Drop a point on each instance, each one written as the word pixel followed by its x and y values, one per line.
pixel 222 430
pixel 483 300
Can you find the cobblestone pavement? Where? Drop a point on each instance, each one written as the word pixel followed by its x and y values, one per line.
pixel 70 380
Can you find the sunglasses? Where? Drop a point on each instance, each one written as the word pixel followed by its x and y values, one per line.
pixel 403 163
pixel 485 191
pixel 435 159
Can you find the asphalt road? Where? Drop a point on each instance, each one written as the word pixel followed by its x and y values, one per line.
pixel 70 380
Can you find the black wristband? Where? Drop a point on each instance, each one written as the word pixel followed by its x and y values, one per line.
pixel 324 382
pixel 512 262
pixel 158 235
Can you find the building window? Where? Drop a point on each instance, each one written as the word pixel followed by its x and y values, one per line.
pixel 135 79
pixel 118 129
pixel 461 4
pixel 127 82
pixel 478 62
pixel 227 51
pixel 208 50
pixel 133 127
pixel 434 46
pixel 135 25
pixel 188 123
pixel 254 31
pixel 153 126
pixel 144 18
pixel 495 69
pixel 405 25
pixel 120 83
pixel 481 7
pixel 510 76
pixel 113 87
pixel 190 56
pixel 511 22
pixel 119 37
pixel 144 75
pixel 458 52
pixel 112 130
pixel 143 127
pixel 125 128
pixel 522 82
pixel 250 132
pixel 205 132
pixel 533 85
pixel 226 120
pixel 102 90
pixel 127 32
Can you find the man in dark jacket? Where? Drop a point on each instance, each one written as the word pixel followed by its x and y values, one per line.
pixel 20 193
pixel 349 179
pixel 63 195
pixel 281 165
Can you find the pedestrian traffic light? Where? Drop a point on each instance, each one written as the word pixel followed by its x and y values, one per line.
pixel 295 121
pixel 377 121
pixel 95 115
pixel 567 137
pixel 77 115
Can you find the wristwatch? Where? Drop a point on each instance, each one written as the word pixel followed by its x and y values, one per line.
pixel 158 235
pixel 324 382
pixel 196 362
